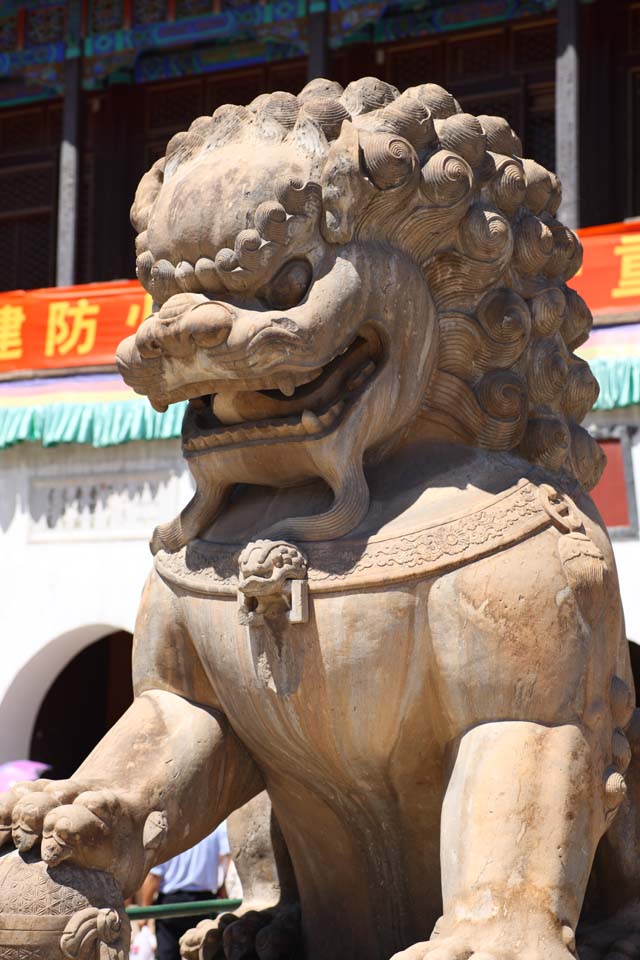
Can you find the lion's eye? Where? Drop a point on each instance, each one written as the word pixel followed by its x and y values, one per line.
pixel 290 285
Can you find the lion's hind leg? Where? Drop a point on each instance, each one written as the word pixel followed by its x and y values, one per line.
pixel 522 816
pixel 610 924
pixel 533 675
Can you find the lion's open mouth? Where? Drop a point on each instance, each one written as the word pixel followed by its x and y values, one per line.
pixel 311 410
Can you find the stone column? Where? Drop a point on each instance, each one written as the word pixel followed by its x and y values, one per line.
pixel 568 110
pixel 318 63
pixel 66 240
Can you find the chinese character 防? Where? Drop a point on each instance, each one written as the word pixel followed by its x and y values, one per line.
pixel 11 321
pixel 629 279
pixel 71 327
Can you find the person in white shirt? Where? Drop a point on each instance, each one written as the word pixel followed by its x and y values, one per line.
pixel 196 874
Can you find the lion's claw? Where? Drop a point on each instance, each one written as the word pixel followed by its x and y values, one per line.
pixel 28 817
pixel 8 802
pixel 54 848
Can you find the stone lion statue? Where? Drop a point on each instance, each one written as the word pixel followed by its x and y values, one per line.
pixel 390 600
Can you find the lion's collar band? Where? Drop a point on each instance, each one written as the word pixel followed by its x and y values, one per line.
pixel 513 515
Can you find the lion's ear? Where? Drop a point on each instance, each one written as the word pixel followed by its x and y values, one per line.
pixel 345 189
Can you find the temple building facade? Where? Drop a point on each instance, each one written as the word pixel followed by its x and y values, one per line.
pixel 91 90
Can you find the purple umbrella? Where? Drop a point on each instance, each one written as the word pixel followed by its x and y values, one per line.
pixel 17 770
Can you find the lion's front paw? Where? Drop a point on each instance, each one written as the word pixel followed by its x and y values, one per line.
pixel 87 823
pixel 494 941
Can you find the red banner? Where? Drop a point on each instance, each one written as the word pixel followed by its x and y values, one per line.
pixel 61 327
pixel 609 280
pixel 81 326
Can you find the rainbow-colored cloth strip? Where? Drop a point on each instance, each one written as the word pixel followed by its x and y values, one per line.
pixel 613 354
pixel 100 410
pixel 96 409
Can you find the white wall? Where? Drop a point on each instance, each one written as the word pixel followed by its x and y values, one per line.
pixel 628 560
pixel 75 524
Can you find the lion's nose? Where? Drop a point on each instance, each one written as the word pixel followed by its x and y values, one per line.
pixel 206 325
pixel 210 324
pixel 154 339
pixel 148 344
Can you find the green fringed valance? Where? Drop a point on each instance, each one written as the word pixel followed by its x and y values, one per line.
pixel 100 411
pixel 96 409
pixel 619 381
pixel 99 425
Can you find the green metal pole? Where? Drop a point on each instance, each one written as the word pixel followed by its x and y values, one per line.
pixel 193 909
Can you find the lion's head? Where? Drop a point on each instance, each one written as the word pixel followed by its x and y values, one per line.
pixel 329 270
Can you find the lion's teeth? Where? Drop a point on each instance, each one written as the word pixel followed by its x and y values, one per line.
pixel 361 376
pixel 310 422
pixel 287 385
pixel 356 380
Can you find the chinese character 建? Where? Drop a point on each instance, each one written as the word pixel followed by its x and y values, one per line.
pixel 629 253
pixel 11 320
pixel 71 327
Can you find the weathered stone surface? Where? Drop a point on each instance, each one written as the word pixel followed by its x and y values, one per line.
pixel 252 836
pixel 391 600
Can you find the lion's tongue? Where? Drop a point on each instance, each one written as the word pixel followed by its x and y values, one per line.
pixel 241 406
pixel 232 408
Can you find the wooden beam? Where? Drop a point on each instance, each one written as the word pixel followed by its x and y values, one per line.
pixel 66 240
pixel 66 236
pixel 317 19
pixel 21 29
pixel 568 110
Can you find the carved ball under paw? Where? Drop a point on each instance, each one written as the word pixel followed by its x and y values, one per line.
pixel 64 913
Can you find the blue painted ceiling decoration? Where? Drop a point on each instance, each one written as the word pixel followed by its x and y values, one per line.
pixel 140 40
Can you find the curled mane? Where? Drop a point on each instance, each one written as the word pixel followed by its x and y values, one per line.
pixel 451 190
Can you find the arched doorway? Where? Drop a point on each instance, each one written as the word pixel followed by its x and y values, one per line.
pixel 86 698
